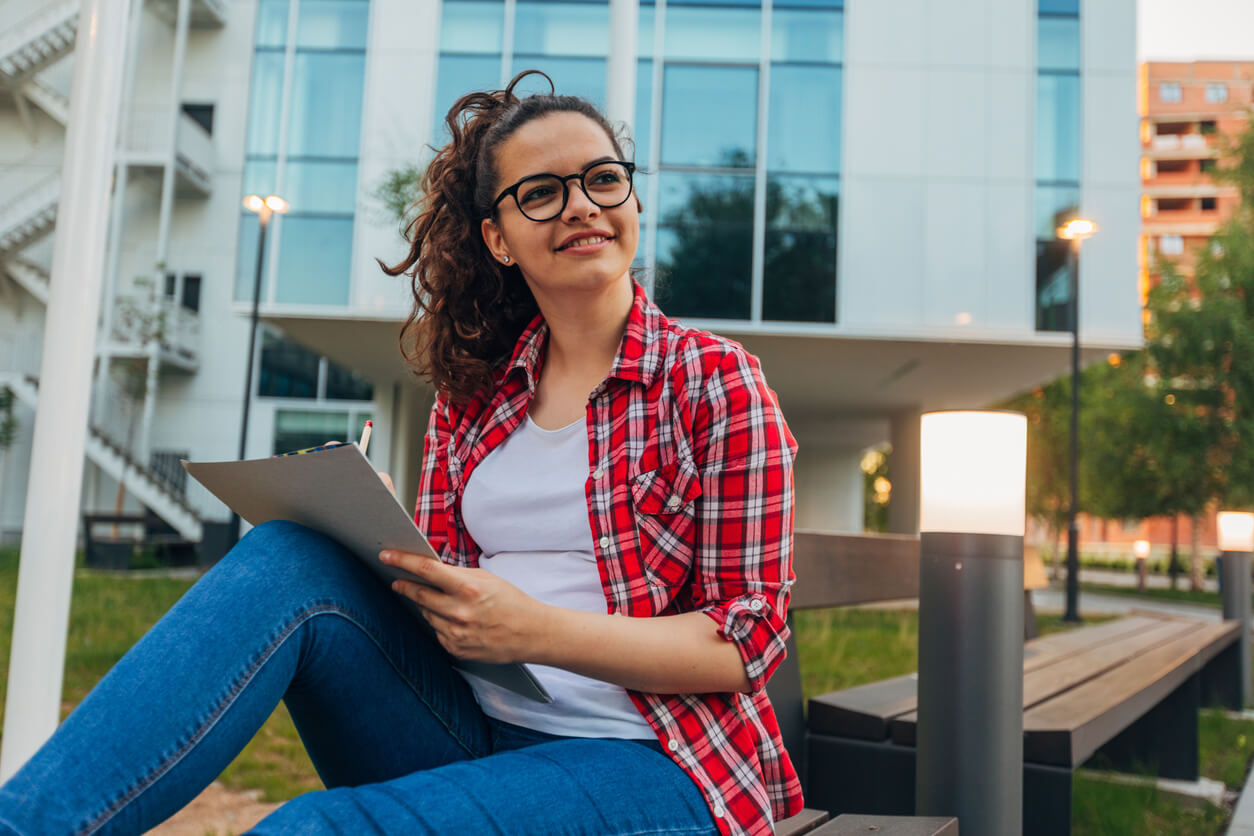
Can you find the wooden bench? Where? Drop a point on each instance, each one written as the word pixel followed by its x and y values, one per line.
pixel 1123 694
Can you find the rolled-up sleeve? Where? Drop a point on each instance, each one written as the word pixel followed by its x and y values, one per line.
pixel 743 554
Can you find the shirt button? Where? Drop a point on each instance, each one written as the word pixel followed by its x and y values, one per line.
pixel 605 542
pixel 673 502
pixel 598 473
pixel 673 745
pixel 755 605
pixel 718 811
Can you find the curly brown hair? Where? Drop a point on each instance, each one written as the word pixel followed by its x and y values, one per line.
pixel 469 309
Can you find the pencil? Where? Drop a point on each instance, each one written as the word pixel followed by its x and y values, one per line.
pixel 365 437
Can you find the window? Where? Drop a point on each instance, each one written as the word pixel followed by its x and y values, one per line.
pixel 346 385
pixel 298 429
pixel 1169 92
pixel 288 370
pixel 1171 244
pixel 1172 166
pixel 1058 127
pixel 1209 204
pixel 1208 166
pixel 693 99
pixel 201 114
pixel 705 245
pixel 191 292
pixel 1174 204
pixel 1216 93
pixel 1207 127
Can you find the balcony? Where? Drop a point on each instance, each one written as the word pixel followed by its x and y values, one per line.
pixel 1181 147
pixel 174 328
pixel 194 152
pixel 205 14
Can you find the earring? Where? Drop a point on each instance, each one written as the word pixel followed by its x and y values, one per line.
pixel 505 259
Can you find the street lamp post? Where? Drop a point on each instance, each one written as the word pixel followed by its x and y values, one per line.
pixel 1236 541
pixel 1141 548
pixel 264 207
pixel 1075 231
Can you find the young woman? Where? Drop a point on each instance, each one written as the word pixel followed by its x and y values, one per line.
pixel 611 499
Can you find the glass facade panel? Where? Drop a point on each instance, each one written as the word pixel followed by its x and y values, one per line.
pixel 246 257
pixel 346 385
pixel 326 104
pixel 713 33
pixel 259 176
pixel 1059 7
pixel 298 429
pixel 288 370
pixel 458 75
pixel 696 98
pixel 1057 127
pixel 315 255
pixel 807 35
pixel 1055 205
pixel 473 26
pixel 1053 286
pixel 644 115
pixel 804 123
pixel 644 32
pixel 1058 44
pixel 322 186
pixel 799 279
pixel 583 77
pixel 563 28
pixel 332 24
pixel 272 22
pixel 266 103
pixel 705 246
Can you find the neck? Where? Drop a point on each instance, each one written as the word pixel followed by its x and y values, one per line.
pixel 586 327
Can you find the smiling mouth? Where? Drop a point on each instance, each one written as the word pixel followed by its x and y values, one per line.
pixel 584 242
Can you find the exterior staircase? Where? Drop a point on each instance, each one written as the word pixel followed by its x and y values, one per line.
pixel 48 99
pixel 30 216
pixel 110 457
pixel 40 40
pixel 30 277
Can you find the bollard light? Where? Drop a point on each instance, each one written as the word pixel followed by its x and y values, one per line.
pixel 970 691
pixel 973 475
pixel 1236 541
pixel 1236 531
pixel 1141 548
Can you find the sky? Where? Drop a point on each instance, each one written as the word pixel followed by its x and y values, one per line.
pixel 1191 30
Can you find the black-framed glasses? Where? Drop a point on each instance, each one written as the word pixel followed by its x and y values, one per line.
pixel 542 197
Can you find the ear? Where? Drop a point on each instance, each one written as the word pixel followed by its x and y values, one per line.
pixel 639 206
pixel 492 236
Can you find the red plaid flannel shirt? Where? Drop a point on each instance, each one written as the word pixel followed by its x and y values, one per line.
pixel 690 500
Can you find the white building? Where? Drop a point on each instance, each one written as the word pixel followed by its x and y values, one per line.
pixel 889 173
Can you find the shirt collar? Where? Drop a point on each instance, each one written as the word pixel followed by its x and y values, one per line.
pixel 639 356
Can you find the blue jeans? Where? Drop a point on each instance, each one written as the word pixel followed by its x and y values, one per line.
pixel 394 732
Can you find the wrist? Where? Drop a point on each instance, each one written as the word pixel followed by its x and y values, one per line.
pixel 543 634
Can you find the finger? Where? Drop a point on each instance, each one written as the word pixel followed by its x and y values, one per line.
pixel 387 481
pixel 427 569
pixel 332 443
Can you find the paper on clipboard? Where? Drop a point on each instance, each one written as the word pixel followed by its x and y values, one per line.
pixel 335 491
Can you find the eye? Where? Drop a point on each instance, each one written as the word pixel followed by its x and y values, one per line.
pixel 537 193
pixel 605 177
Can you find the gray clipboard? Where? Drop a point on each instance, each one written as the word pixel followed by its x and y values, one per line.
pixel 336 491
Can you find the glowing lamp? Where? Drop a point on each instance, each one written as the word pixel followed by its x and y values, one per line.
pixel 1077 229
pixel 1236 531
pixel 1141 548
pixel 973 472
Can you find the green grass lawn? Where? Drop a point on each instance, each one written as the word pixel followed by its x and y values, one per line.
pixel 1180 596
pixel 839 648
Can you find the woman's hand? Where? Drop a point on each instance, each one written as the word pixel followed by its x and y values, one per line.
pixel 475 614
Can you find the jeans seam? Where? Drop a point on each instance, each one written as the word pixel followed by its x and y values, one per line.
pixel 228 700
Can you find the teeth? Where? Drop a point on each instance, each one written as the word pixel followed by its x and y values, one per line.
pixel 582 242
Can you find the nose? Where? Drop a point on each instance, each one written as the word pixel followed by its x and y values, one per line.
pixel 578 205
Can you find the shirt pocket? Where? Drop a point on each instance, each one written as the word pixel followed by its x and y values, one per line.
pixel 666 521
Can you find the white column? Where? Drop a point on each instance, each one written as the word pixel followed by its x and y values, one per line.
pixel 176 108
pixel 903 472
pixel 41 617
pixel 620 69
pixel 383 410
pixel 413 407
pixel 151 382
pixel 828 489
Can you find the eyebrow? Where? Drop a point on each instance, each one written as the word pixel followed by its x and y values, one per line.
pixel 602 159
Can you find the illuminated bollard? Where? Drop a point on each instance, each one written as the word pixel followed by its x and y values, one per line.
pixel 970 725
pixel 1236 541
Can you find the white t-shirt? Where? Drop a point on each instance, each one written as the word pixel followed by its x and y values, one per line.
pixel 525 508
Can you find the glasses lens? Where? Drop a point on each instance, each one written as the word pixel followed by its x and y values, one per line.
pixel 540 198
pixel 607 184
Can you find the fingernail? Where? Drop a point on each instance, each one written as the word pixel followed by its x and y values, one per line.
pixel 386 557
pixel 396 586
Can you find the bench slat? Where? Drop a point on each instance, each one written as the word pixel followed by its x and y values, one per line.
pixel 802 823
pixel 1066 672
pixel 860 825
pixel 1066 730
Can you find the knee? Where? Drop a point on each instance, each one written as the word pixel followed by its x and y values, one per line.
pixel 284 552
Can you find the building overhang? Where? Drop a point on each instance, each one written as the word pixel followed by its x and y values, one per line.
pixel 816 375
